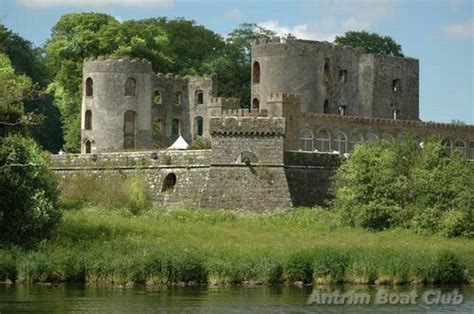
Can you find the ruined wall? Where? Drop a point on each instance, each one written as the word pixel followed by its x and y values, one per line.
pixel 309 176
pixel 191 169
pixel 328 77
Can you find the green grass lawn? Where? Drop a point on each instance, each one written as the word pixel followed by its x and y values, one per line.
pixel 185 245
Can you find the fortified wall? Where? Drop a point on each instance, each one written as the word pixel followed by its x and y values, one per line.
pixel 246 168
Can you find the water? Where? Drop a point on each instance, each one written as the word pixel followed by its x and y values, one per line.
pixel 275 299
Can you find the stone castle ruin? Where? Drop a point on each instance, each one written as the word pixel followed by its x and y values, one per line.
pixel 311 103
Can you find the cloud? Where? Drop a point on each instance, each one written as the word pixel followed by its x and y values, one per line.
pixel 235 14
pixel 95 3
pixel 456 5
pixel 460 30
pixel 325 29
pixel 339 17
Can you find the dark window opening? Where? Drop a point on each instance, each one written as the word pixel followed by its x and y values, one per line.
pixel 157 126
pixel 198 124
pixel 342 110
pixel 89 87
pixel 88 147
pixel 177 98
pixel 396 114
pixel 130 86
pixel 255 104
pixel 326 72
pixel 470 154
pixel 342 76
pixel 396 86
pixel 199 97
pixel 129 129
pixel 168 183
pixel 88 120
pixel 447 145
pixel 326 106
pixel 157 98
pixel 256 72
pixel 175 128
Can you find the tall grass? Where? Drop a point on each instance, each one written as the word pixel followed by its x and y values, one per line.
pixel 304 246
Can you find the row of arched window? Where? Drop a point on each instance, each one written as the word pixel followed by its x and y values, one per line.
pixel 324 141
pixel 130 87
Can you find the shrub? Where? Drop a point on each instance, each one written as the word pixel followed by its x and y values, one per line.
pixel 201 143
pixel 28 207
pixel 400 185
pixel 299 267
pixel 449 269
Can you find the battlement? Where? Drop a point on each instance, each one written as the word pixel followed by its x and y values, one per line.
pixel 123 64
pixel 247 125
pixel 382 121
pixel 283 97
pixel 225 103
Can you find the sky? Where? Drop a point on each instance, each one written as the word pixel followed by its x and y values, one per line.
pixel 440 33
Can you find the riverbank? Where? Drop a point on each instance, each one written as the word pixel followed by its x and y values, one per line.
pixel 185 246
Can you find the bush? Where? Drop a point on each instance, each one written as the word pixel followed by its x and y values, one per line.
pixel 400 185
pixel 201 143
pixel 28 207
pixel 449 269
pixel 299 267
pixel 109 190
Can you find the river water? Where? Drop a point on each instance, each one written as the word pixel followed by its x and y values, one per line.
pixel 260 299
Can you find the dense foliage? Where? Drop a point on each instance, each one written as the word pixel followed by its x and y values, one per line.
pixel 28 206
pixel 400 185
pixel 370 43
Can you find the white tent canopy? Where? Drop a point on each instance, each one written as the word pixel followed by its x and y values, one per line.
pixel 180 143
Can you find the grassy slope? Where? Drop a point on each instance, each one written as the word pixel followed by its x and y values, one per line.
pixel 182 245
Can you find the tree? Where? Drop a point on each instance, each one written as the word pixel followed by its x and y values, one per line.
pixel 370 43
pixel 233 64
pixel 29 61
pixel 400 185
pixel 28 206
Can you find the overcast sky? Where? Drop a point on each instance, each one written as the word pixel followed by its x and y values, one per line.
pixel 437 32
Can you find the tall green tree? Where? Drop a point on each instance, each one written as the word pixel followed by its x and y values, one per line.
pixel 29 60
pixel 28 203
pixel 370 43
pixel 232 65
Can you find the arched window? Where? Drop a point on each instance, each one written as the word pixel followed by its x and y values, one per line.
pixel 177 98
pixel 323 141
pixel 470 154
pixel 372 138
pixel 341 142
pixel 255 104
pixel 129 129
pixel 460 146
pixel 326 106
pixel 387 138
pixel 256 72
pixel 88 120
pixel 169 182
pixel 89 87
pixel 306 140
pixel 130 86
pixel 447 145
pixel 158 98
pixel 326 72
pixel 199 97
pixel 175 128
pixel 198 126
pixel 88 146
pixel 356 139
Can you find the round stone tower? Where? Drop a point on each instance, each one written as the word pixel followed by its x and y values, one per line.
pixel 116 105
pixel 294 67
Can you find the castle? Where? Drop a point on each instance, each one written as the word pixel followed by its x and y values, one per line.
pixel 310 103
